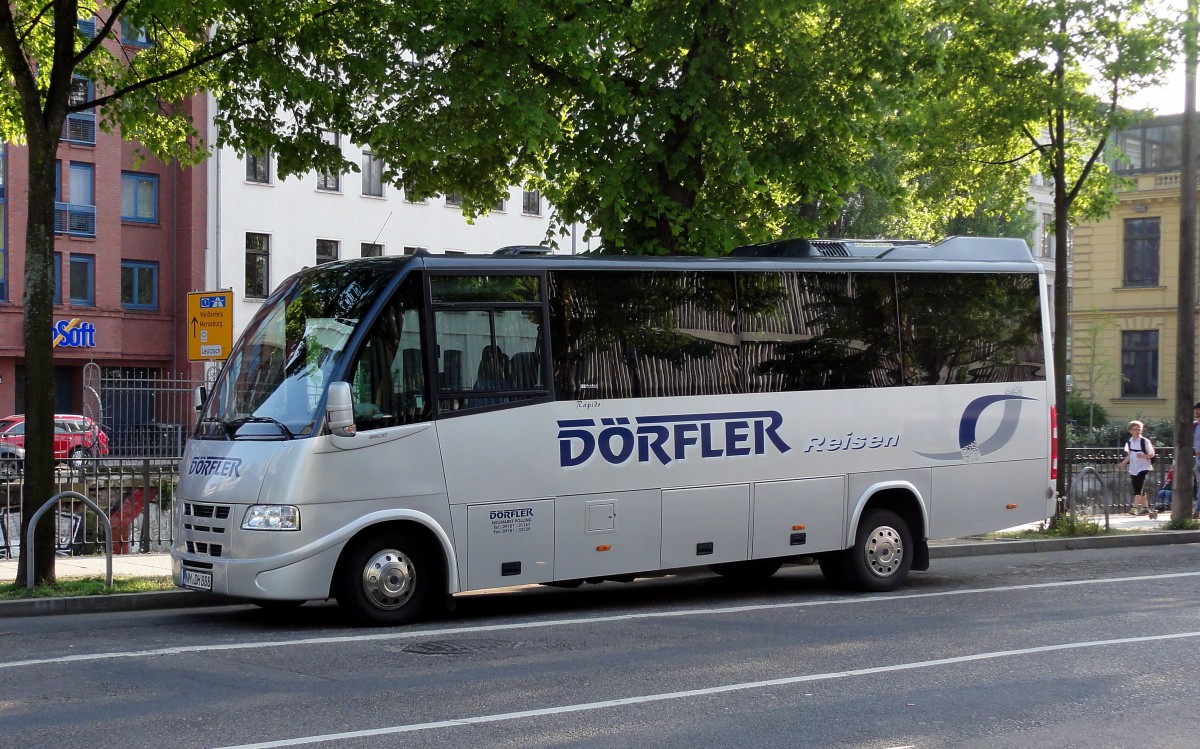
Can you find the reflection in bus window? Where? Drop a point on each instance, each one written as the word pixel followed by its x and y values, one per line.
pixel 388 378
pixel 488 339
pixel 643 334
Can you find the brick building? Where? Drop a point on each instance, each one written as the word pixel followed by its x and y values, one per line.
pixel 129 245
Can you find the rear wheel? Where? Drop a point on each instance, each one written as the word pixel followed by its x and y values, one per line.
pixel 833 567
pixel 882 552
pixel 387 579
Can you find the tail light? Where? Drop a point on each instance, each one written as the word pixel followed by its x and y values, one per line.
pixel 1053 443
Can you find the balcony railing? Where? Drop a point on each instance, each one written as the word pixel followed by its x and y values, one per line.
pixel 76 220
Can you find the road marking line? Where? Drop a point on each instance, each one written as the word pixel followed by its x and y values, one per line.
pixel 410 634
pixel 621 702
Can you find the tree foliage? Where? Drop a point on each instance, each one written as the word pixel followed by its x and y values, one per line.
pixel 669 126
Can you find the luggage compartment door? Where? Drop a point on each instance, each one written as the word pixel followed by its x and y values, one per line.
pixel 510 543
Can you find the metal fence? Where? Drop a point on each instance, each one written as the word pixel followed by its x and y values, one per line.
pixel 1095 485
pixel 145 413
pixel 136 493
pixel 146 416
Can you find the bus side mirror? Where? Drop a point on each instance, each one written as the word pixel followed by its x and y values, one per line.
pixel 199 397
pixel 339 409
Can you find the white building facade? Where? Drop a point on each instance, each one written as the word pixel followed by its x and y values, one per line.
pixel 262 229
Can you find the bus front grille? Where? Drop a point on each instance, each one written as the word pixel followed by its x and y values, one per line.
pixel 205 528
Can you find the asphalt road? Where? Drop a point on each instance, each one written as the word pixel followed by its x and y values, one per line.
pixel 1094 648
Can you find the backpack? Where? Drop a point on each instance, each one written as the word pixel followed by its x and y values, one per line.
pixel 1143 446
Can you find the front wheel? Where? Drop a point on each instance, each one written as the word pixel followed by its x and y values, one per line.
pixel 78 457
pixel 387 579
pixel 882 552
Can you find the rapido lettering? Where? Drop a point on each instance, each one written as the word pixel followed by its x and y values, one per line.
pixel 666 439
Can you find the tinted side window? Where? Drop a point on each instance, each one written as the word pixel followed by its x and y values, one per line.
pixel 643 334
pixel 389 376
pixel 489 333
pixel 818 331
pixel 977 327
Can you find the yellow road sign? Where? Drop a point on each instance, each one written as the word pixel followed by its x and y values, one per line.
pixel 210 325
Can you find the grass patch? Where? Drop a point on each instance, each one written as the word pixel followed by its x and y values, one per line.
pixel 1073 526
pixel 1062 526
pixel 85 586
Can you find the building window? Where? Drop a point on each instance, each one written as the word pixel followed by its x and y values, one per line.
pixel 258 265
pixel 1150 147
pixel 139 197
pixel 330 181
pixel 136 36
pixel 500 205
pixel 1139 364
pixel 80 127
pixel 412 250
pixel 1047 235
pixel 372 174
pixel 258 167
pixel 371 249
pixel 454 200
pixel 3 224
pixel 327 250
pixel 139 284
pixel 531 203
pixel 83 280
pixel 76 217
pixel 1141 251
pixel 57 262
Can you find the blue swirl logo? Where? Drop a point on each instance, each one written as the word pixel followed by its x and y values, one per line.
pixel 970 447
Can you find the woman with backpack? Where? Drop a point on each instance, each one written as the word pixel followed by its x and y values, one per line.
pixel 1139 456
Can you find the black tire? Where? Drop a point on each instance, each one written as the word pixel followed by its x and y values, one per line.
pixel 833 567
pixel 9 469
pixel 387 579
pixel 882 552
pixel 78 457
pixel 749 570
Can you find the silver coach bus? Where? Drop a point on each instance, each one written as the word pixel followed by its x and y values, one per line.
pixel 391 431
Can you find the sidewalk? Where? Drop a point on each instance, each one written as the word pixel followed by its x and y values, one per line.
pixel 1134 531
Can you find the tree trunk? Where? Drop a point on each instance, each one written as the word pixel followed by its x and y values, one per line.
pixel 1185 342
pixel 39 356
pixel 1061 288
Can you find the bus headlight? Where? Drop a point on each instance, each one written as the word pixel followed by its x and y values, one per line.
pixel 272 518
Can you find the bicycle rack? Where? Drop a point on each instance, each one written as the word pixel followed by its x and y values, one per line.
pixel 1103 495
pixel 42 511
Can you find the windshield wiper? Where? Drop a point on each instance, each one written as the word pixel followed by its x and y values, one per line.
pixel 233 425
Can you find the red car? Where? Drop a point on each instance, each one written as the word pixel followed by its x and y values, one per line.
pixel 76 437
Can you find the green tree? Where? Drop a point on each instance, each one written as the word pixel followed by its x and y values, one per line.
pixel 669 126
pixel 1097 369
pixel 314 49
pixel 1038 86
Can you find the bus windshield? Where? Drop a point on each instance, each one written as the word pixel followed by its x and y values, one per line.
pixel 275 378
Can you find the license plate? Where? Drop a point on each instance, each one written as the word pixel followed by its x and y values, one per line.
pixel 197 580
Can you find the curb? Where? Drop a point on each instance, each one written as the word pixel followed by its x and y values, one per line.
pixel 117 602
pixel 986 548
pixel 179 599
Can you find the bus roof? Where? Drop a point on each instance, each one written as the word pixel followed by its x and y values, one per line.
pixel 967 254
pixel 955 253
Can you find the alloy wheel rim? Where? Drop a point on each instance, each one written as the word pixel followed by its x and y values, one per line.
pixel 885 551
pixel 389 579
